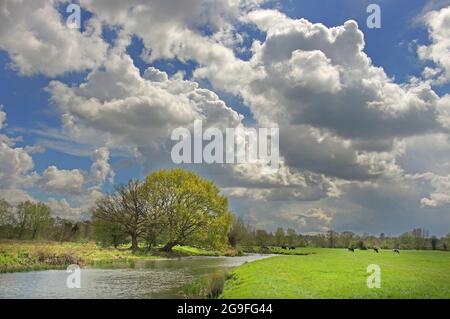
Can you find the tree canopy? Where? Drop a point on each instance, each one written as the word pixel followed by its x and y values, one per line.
pixel 170 206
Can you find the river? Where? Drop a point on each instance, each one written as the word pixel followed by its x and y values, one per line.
pixel 142 279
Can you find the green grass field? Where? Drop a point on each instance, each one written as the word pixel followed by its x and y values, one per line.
pixel 338 273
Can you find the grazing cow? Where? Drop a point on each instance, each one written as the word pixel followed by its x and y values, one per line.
pixel 376 250
pixel 351 249
pixel 396 251
pixel 283 247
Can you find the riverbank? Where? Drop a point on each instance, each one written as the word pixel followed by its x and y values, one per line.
pixel 18 256
pixel 338 273
pixel 142 279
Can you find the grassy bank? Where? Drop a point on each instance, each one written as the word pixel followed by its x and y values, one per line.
pixel 338 273
pixel 194 251
pixel 38 255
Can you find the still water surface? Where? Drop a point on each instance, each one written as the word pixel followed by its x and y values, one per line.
pixel 142 279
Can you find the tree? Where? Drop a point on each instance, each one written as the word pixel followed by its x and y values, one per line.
pixel 347 238
pixel 84 230
pixel 446 242
pixel 62 229
pixel 238 233
pixel 291 236
pixel 434 242
pixel 262 238
pixel 188 206
pixel 419 235
pixel 360 245
pixel 7 219
pixel 331 237
pixel 39 218
pixel 108 233
pixel 215 235
pixel 22 215
pixel 301 242
pixel 405 241
pixel 279 236
pixel 126 207
pixel 6 214
pixel 32 218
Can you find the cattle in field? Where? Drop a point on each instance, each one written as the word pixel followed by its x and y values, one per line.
pixel 375 250
pixel 351 249
pixel 396 251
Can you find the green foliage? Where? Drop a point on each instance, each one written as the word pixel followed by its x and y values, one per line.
pixel 189 208
pixel 6 213
pixel 280 237
pixel 32 219
pixel 7 219
pixel 239 233
pixel 291 237
pixel 174 207
pixel 108 233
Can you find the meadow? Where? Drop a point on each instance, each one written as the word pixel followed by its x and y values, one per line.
pixel 338 273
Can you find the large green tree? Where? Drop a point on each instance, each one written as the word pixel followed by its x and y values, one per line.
pixel 189 207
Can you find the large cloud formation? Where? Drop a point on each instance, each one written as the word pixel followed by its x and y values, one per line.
pixel 438 23
pixel 38 40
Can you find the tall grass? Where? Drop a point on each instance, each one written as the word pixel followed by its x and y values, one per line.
pixel 206 287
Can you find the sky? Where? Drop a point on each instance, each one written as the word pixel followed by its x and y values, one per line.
pixel 363 113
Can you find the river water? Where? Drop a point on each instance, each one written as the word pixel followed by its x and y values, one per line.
pixel 142 279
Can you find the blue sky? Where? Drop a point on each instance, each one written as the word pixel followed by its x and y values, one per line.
pixel 27 103
pixel 35 113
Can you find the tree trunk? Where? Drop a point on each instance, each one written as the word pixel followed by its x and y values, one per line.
pixel 21 229
pixel 115 242
pixel 168 247
pixel 134 243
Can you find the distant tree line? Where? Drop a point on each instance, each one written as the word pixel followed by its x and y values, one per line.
pixel 31 221
pixel 243 234
pixel 177 207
